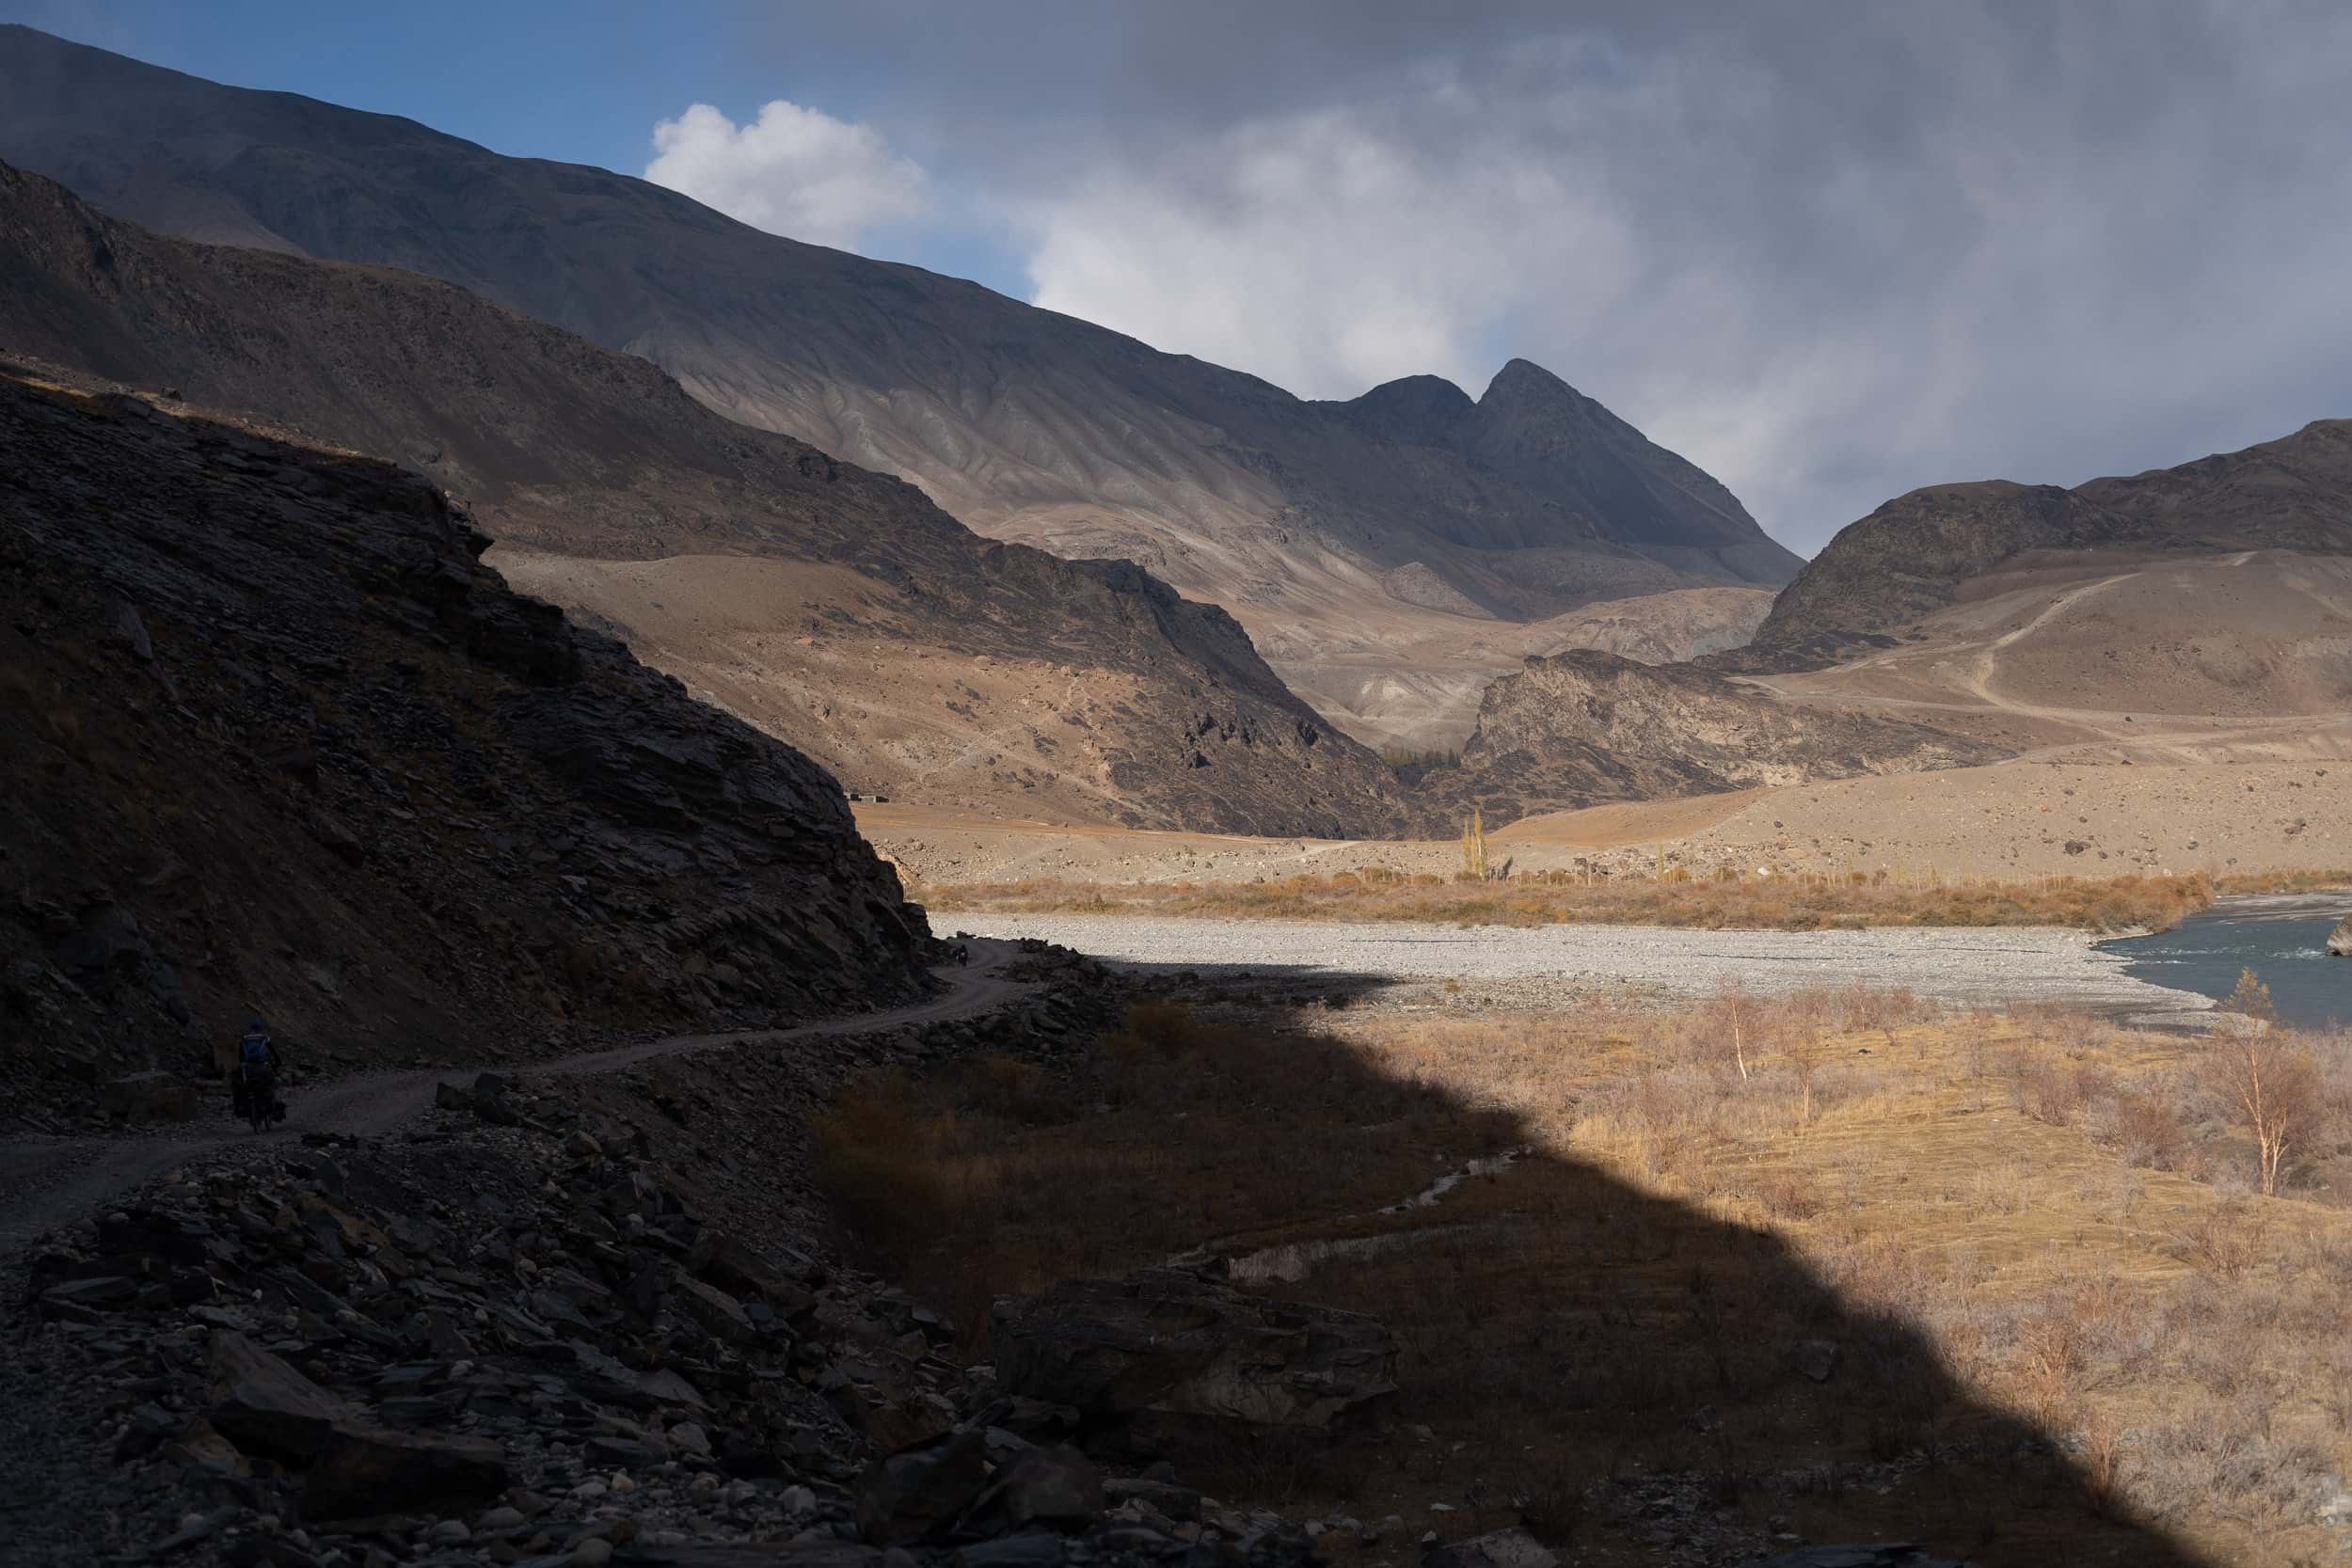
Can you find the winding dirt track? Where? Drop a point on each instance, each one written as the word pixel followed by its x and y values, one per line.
pixel 46 1182
pixel 1987 664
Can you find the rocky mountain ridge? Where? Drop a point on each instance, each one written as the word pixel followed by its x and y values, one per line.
pixel 1434 706
pixel 1587 727
pixel 1330 530
pixel 1088 684
pixel 1535 429
pixel 1917 553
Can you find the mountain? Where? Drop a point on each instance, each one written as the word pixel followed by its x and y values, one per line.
pixel 1431 704
pixel 1920 552
pixel 835 608
pixel 2199 615
pixel 272 740
pixel 2193 615
pixel 1587 727
pixel 1537 431
pixel 1335 532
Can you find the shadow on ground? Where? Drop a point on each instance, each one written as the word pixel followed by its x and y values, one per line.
pixel 1268 985
pixel 1630 1376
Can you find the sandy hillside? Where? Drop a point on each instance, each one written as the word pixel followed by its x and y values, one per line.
pixel 831 658
pixel 2221 659
pixel 2013 818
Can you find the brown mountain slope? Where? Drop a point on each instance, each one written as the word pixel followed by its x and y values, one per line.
pixel 1920 552
pixel 1588 727
pixel 272 741
pixel 1106 695
pixel 2195 614
pixel 2117 655
pixel 1334 531
pixel 1432 702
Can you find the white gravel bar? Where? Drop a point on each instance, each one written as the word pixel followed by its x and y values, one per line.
pixel 1536 965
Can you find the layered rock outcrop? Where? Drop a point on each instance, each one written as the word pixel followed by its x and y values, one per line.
pixel 1587 727
pixel 344 778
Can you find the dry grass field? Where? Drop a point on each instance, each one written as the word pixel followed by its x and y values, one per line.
pixel 2062 1323
pixel 1850 902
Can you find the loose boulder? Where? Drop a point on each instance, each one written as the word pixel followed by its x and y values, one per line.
pixel 364 1470
pixel 2340 940
pixel 104 944
pixel 125 627
pixel 727 1263
pixel 148 1097
pixel 918 1491
pixel 1815 1359
pixel 1164 1497
pixel 1503 1548
pixel 1050 1486
pixel 264 1405
pixel 1173 1342
pixel 717 1313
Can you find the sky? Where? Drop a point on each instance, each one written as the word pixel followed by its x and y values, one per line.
pixel 1830 251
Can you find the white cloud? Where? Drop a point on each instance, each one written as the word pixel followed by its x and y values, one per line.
pixel 794 171
pixel 1317 251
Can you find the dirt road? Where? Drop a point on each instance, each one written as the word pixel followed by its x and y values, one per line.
pixel 46 1182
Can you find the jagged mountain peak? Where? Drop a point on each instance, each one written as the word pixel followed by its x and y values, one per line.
pixel 1523 380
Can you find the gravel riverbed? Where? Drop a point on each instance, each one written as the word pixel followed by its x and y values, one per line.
pixel 1540 966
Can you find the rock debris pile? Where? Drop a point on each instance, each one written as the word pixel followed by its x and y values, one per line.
pixel 516 1335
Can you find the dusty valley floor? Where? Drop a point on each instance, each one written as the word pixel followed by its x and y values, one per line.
pixel 2020 818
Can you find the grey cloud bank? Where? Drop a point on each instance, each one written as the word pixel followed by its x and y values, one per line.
pixel 1829 252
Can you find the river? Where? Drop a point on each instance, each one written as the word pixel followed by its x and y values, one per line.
pixel 2281 937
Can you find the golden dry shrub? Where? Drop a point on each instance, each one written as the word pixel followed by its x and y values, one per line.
pixel 2266 1080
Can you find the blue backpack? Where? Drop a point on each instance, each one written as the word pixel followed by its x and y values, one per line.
pixel 254 1050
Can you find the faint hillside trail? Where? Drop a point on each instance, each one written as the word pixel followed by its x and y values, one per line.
pixel 2181 735
pixel 46 1182
pixel 1987 661
pixel 1292 1260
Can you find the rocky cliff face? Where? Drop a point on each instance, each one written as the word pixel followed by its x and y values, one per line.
pixel 836 608
pixel 273 741
pixel 1026 425
pixel 1913 555
pixel 1587 727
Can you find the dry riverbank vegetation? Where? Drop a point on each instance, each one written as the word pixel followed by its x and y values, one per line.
pixel 2007 1285
pixel 1852 902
